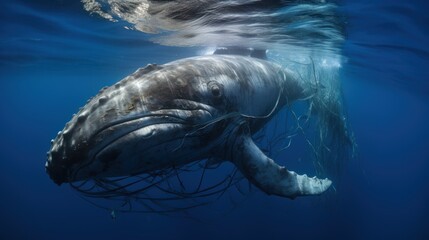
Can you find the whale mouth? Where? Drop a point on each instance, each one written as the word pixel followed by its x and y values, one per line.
pixel 62 166
pixel 147 125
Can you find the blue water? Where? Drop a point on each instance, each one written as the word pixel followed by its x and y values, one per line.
pixel 54 56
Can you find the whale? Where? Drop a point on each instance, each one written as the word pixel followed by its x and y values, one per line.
pixel 167 116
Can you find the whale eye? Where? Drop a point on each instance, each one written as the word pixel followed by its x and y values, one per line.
pixel 215 89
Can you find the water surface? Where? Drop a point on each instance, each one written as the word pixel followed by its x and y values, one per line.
pixel 54 55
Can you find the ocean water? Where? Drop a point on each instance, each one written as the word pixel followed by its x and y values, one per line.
pixel 54 56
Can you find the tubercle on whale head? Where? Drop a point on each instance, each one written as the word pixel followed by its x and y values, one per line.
pixel 56 172
pixel 71 145
pixel 64 152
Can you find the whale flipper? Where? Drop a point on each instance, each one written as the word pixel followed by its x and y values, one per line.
pixel 269 176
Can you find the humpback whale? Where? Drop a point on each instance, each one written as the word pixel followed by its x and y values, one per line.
pixel 166 116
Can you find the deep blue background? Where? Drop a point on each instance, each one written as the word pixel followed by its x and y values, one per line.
pixel 54 56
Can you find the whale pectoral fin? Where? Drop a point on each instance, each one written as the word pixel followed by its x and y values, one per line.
pixel 271 178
